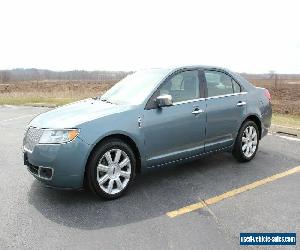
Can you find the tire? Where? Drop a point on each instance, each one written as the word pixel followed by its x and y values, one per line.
pixel 111 169
pixel 246 143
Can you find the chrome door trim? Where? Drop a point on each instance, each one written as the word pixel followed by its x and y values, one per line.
pixel 186 158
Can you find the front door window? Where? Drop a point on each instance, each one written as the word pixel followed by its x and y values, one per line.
pixel 183 86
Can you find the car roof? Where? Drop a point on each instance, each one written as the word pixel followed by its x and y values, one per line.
pixel 236 76
pixel 176 68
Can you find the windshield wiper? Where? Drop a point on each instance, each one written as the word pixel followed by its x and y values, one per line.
pixel 100 99
pixel 104 100
pixel 96 98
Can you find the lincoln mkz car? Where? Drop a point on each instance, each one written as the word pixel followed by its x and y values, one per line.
pixel 150 118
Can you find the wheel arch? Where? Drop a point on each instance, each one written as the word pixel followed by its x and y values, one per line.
pixel 257 121
pixel 125 138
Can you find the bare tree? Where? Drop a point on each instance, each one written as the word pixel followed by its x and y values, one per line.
pixel 274 76
pixel 4 76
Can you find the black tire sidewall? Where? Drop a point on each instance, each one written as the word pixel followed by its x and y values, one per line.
pixel 94 160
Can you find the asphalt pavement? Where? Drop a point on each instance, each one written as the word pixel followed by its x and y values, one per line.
pixel 36 217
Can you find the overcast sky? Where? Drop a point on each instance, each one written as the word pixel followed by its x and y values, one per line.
pixel 253 36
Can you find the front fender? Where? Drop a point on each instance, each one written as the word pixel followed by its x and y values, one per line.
pixel 125 123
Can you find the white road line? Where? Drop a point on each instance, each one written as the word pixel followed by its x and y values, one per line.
pixel 17 118
pixel 284 137
pixel 289 138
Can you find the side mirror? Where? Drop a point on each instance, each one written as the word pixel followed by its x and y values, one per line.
pixel 164 101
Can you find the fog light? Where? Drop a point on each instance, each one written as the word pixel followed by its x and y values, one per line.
pixel 45 173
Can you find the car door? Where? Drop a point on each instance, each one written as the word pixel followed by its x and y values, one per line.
pixel 176 131
pixel 225 109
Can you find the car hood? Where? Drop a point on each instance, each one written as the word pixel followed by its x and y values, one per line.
pixel 74 114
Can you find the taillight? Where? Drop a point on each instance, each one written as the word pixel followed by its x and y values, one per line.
pixel 267 94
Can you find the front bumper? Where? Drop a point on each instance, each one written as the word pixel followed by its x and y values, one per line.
pixel 58 165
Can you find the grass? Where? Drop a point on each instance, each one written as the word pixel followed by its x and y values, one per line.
pixel 36 101
pixel 49 93
pixel 286 120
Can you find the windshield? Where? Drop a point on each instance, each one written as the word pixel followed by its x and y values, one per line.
pixel 134 88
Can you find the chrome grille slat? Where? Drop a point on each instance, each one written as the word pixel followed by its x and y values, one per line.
pixel 32 138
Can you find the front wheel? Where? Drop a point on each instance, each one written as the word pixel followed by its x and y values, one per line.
pixel 246 143
pixel 111 169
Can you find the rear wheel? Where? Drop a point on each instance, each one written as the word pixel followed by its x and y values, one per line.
pixel 247 141
pixel 111 169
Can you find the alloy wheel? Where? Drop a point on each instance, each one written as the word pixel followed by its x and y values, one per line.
pixel 249 141
pixel 113 171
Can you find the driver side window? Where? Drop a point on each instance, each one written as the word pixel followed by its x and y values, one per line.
pixel 183 86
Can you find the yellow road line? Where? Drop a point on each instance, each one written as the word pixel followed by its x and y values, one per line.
pixel 231 193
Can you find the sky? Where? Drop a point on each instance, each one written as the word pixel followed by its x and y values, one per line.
pixel 254 36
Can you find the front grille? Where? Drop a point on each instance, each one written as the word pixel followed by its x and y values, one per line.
pixel 32 138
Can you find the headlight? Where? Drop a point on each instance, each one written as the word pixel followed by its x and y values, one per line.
pixel 58 135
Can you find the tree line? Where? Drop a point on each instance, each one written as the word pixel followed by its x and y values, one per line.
pixel 13 75
pixel 33 74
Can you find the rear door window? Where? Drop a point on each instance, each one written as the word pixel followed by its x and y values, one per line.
pixel 219 83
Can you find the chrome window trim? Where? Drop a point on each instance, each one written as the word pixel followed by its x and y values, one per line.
pixel 207 98
pixel 188 101
pixel 227 95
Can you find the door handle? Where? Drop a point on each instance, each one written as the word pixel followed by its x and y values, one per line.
pixel 240 103
pixel 197 111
